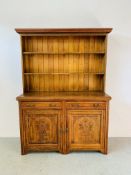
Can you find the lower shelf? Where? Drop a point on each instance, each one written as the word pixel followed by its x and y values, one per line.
pixel 63 82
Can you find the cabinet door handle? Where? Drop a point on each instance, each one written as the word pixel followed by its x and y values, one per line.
pixel 62 131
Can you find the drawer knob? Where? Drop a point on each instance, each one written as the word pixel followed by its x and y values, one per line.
pixel 30 105
pixel 52 105
pixel 75 105
pixel 96 105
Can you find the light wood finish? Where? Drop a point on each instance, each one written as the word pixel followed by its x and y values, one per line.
pixel 63 106
pixel 63 63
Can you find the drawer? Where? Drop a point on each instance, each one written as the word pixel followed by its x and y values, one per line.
pixel 86 105
pixel 54 105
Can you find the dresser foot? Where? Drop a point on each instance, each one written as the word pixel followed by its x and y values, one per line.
pixel 23 151
pixel 104 151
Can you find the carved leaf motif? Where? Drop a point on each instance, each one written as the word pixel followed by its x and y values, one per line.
pixel 85 129
pixel 85 126
pixel 43 128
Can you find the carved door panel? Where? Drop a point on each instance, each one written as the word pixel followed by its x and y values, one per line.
pixel 41 129
pixel 85 129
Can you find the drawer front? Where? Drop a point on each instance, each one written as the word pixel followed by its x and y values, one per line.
pixel 51 105
pixel 86 105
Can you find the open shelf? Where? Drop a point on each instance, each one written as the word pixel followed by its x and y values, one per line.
pixel 62 53
pixel 64 63
pixel 63 73
pixel 63 44
pixel 58 82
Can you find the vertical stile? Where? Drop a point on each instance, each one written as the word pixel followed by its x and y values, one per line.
pixel 64 128
pixel 62 59
pixel 88 63
pixel 37 64
pixel 59 68
pixel 42 80
pixel 25 57
pixel 105 61
pixel 38 60
pixel 22 43
pixel 73 66
pixel 78 61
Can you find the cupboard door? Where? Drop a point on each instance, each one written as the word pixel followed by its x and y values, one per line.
pixel 41 129
pixel 85 129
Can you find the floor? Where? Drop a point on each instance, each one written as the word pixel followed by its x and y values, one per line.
pixel 117 162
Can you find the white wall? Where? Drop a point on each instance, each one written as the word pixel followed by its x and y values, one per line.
pixel 67 13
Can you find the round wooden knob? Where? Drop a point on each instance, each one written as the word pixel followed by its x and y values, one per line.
pixel 96 105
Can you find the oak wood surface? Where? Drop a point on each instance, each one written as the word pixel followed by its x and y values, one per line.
pixel 71 63
pixel 64 106
pixel 41 96
pixel 86 128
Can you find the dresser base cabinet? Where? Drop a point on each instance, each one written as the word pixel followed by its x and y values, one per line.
pixel 63 126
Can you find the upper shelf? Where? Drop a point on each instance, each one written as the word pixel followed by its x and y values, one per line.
pixel 62 53
pixel 62 30
pixel 64 73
